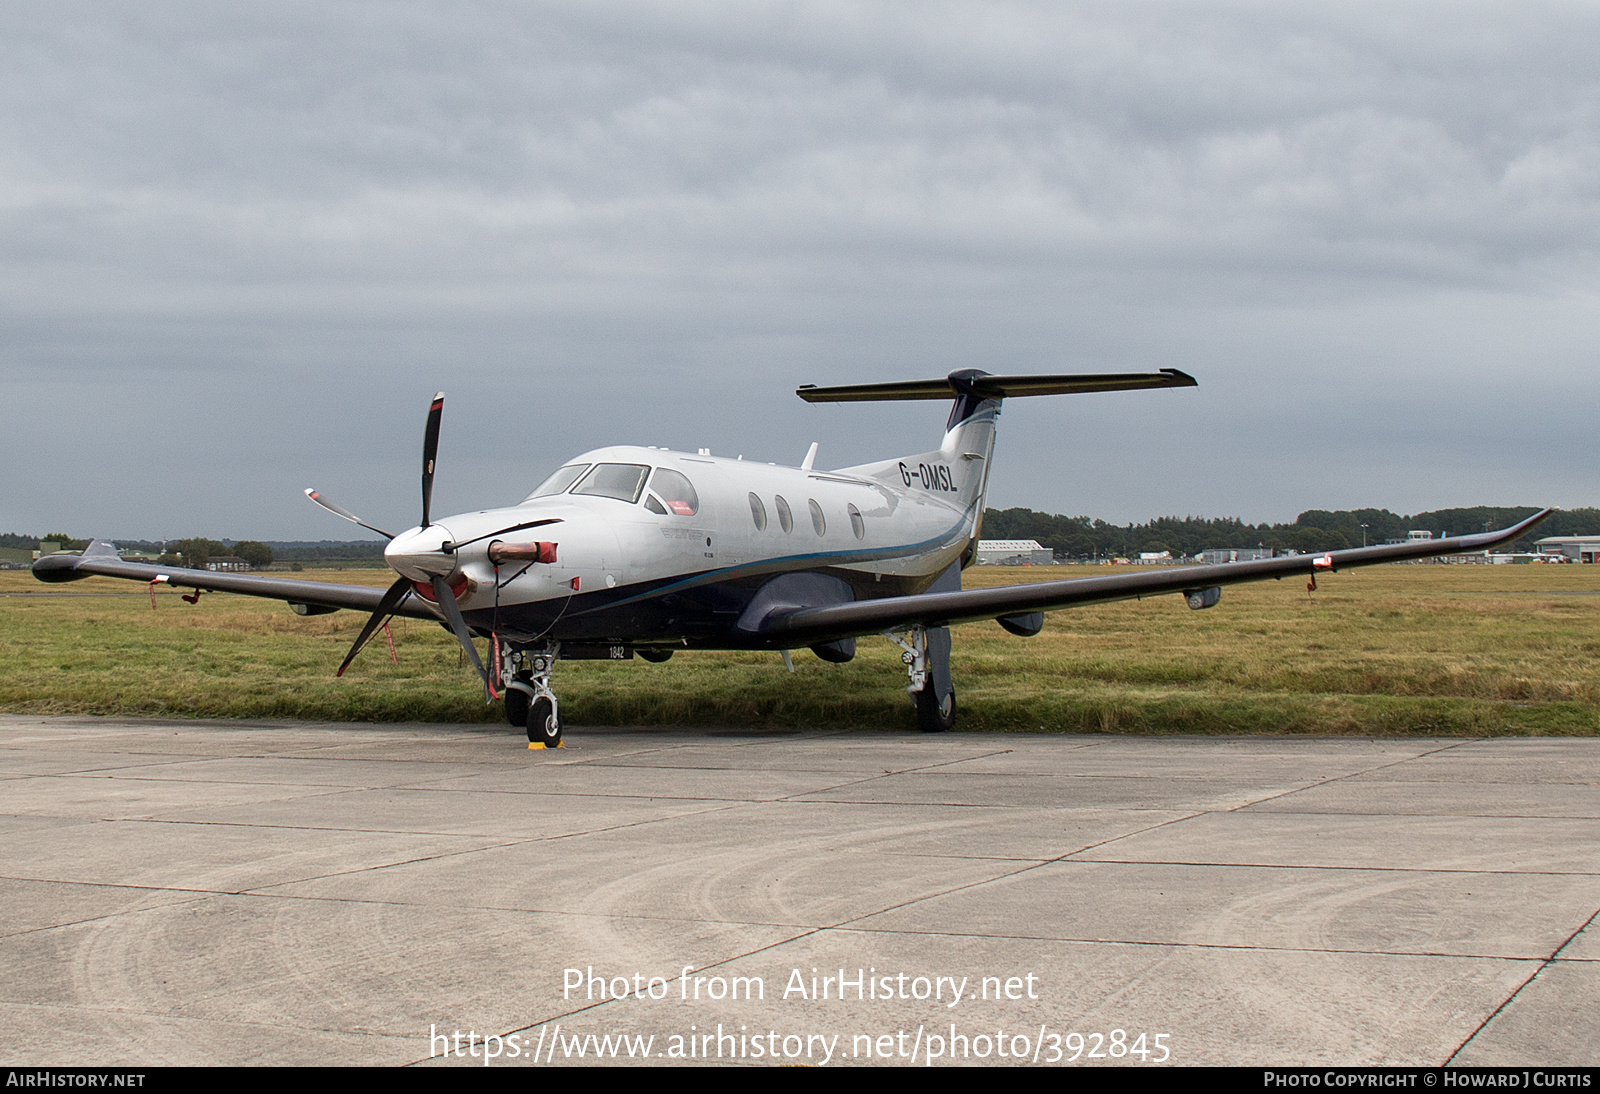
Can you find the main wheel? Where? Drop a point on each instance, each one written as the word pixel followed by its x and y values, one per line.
pixel 544 728
pixel 517 707
pixel 932 715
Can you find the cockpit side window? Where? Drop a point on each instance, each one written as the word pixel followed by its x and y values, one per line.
pixel 623 481
pixel 558 483
pixel 653 503
pixel 676 491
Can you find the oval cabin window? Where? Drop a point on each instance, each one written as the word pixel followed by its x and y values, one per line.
pixel 816 517
pixel 785 518
pixel 758 513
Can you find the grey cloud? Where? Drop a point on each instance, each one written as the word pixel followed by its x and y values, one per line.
pixel 556 209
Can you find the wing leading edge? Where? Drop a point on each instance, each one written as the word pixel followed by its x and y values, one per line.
pixel 805 626
pixel 100 559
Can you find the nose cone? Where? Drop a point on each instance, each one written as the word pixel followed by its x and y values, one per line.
pixel 418 554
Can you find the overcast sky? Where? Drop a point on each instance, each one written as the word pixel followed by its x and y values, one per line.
pixel 241 245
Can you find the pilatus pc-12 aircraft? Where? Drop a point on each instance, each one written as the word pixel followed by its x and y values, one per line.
pixel 645 551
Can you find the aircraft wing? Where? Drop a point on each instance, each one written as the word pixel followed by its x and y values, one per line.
pixel 804 626
pixel 100 559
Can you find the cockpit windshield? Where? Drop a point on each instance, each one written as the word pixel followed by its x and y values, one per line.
pixel 558 483
pixel 623 481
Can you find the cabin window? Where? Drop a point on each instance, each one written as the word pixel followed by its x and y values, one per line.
pixel 653 503
pixel 558 483
pixel 785 518
pixel 857 525
pixel 623 481
pixel 816 517
pixel 676 491
pixel 758 513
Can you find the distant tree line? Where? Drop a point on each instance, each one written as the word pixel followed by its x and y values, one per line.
pixel 358 550
pixel 1313 530
pixel 12 541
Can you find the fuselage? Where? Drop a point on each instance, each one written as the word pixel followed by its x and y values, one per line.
pixel 671 549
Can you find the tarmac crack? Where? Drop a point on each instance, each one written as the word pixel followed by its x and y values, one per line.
pixel 1543 965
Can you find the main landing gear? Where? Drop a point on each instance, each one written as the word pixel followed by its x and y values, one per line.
pixel 925 652
pixel 529 700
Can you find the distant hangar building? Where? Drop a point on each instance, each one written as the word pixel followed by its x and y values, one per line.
pixel 1577 548
pixel 1013 552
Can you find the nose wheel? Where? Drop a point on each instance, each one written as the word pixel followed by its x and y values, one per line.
pixel 544 724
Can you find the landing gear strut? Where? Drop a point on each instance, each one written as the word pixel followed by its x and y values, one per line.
pixel 925 653
pixel 529 700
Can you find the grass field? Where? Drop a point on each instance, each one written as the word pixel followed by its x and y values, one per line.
pixel 1389 650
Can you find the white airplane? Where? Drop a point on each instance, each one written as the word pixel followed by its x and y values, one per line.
pixel 646 551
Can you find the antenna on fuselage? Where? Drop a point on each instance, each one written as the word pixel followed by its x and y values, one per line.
pixel 811 457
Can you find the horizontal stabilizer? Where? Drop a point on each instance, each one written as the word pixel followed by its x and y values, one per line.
pixel 995 387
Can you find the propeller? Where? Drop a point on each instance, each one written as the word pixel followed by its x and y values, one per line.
pixel 396 593
pixel 430 451
pixel 391 600
pixel 339 511
pixel 447 601
pixel 402 587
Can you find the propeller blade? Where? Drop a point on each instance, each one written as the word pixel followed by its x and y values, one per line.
pixel 391 600
pixel 430 452
pixel 503 531
pixel 452 613
pixel 338 511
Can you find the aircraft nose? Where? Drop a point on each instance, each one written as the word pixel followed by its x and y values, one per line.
pixel 419 554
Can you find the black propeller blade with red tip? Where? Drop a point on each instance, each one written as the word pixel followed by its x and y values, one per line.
pixel 430 452
pixel 447 601
pixel 391 600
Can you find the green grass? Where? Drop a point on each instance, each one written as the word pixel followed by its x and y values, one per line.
pixel 1392 650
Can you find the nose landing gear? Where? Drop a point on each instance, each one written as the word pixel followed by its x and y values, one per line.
pixel 529 700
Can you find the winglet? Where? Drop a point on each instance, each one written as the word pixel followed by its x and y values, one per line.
pixel 63 566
